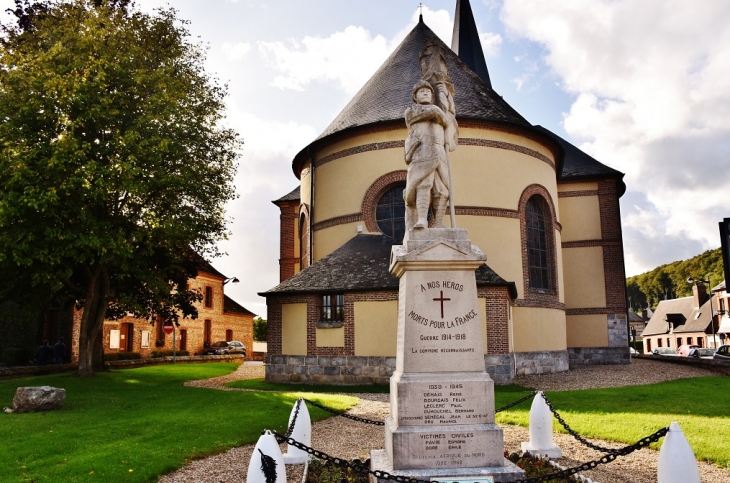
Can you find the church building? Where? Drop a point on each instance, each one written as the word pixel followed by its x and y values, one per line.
pixel 546 214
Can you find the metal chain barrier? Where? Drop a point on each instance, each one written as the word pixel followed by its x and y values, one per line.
pixel 572 432
pixel 290 429
pixel 642 443
pixel 360 468
pixel 345 415
pixel 515 403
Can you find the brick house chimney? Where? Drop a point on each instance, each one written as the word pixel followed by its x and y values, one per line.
pixel 644 315
pixel 700 294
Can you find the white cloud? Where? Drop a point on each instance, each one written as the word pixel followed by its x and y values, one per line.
pixel 491 44
pixel 345 59
pixel 236 51
pixel 651 99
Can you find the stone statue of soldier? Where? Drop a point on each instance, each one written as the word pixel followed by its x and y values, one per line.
pixel 431 126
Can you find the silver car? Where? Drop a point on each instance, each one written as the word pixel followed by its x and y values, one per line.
pixel 723 353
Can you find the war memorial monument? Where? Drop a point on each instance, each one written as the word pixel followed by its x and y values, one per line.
pixel 441 424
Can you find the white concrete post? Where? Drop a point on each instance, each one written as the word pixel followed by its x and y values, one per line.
pixel 267 445
pixel 541 430
pixel 677 462
pixel 302 432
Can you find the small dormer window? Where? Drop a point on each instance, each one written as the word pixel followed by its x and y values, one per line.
pixel 208 297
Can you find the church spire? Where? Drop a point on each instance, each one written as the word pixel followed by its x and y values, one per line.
pixel 465 40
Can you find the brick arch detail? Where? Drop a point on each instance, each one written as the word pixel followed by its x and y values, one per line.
pixel 532 297
pixel 373 194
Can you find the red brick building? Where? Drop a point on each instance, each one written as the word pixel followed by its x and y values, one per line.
pixel 219 318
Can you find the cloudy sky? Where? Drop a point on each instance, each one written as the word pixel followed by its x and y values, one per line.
pixel 644 87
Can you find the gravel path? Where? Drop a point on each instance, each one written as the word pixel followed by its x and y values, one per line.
pixel 349 439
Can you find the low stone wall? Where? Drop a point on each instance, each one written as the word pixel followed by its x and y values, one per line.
pixel 540 362
pixel 500 367
pixel 349 370
pixel 715 365
pixel 176 360
pixel 587 356
pixel 29 371
pixel 340 370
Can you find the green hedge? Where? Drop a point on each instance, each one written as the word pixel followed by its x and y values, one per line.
pixel 122 356
pixel 169 353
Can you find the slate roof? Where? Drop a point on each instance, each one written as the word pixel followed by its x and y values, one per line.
pixel 387 94
pixel 578 165
pixel 204 265
pixel 634 317
pixel 231 306
pixel 291 196
pixel 362 264
pixel 465 41
pixel 682 313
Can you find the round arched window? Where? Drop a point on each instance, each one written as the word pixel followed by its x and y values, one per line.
pixel 390 213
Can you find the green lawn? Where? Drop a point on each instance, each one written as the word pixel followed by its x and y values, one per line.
pixel 700 405
pixel 261 385
pixel 136 424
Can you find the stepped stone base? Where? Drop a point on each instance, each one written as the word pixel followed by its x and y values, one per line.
pixel 508 472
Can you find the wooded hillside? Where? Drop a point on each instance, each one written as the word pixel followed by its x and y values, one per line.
pixel 670 281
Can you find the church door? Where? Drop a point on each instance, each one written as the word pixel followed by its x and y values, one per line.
pixel 126 338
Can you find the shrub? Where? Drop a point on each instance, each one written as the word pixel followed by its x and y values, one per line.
pixel 122 356
pixel 169 353
pixel 13 356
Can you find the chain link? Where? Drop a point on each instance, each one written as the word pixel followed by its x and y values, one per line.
pixel 360 468
pixel 572 432
pixel 515 403
pixel 294 419
pixel 345 415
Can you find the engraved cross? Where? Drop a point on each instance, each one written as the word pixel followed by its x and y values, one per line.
pixel 441 299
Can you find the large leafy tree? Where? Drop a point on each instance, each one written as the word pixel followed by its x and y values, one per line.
pixel 114 164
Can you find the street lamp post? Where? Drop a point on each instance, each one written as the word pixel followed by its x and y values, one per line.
pixel 692 280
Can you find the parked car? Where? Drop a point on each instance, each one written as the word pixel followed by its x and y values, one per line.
pixel 664 351
pixel 701 352
pixel 226 347
pixel 723 353
pixel 683 350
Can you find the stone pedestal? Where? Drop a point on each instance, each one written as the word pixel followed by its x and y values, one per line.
pixel 441 397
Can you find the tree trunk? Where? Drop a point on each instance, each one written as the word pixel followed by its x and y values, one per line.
pixel 92 322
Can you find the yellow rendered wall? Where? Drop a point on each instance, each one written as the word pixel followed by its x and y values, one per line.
pixel 511 138
pixel 294 329
pixel 538 329
pixel 503 176
pixel 580 217
pixel 499 239
pixel 584 186
pixel 376 328
pixel 304 188
pixel 585 285
pixel 587 330
pixel 331 337
pixel 330 239
pixel 379 137
pixel 561 275
pixel 333 197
